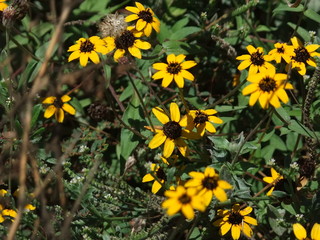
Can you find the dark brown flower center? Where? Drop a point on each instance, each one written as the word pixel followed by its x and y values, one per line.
pixel 160 174
pixel 173 68
pixel 86 46
pixel 125 40
pixel 146 15
pixel 58 103
pixel 200 118
pixel 235 218
pixel 302 55
pixel 280 50
pixel 172 130
pixel 268 84
pixel 184 199
pixel 257 58
pixel 210 182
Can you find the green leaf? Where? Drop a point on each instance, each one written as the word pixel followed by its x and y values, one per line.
pixel 298 127
pixel 180 24
pixel 288 208
pixel 278 143
pixel 35 114
pixel 301 31
pixel 176 47
pixel 283 113
pixel 227 108
pixel 285 8
pixel 183 32
pixel 309 13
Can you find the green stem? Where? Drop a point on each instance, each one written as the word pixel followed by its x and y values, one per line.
pixel 181 95
pixel 141 101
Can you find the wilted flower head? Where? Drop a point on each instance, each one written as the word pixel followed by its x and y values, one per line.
pixel 112 25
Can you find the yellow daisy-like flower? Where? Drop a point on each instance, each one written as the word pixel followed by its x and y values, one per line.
pixel 145 17
pixel 6 212
pixel 3 192
pixel 86 48
pixel 58 106
pixel 275 177
pixel 3 5
pixel 158 182
pixel 255 60
pixel 184 200
pixel 303 55
pixel 281 51
pixel 172 132
pixel 301 233
pixel 174 70
pixel 202 120
pixel 209 184
pixel 127 42
pixel 268 87
pixel 236 220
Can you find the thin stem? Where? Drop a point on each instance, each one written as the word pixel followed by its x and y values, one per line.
pixel 141 101
pixel 181 95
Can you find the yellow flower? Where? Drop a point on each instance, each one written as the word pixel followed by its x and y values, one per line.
pixel 184 200
pixel 6 212
pixel 208 184
pixel 146 20
pixel 174 70
pixel 58 106
pixel 3 192
pixel 303 55
pixel 3 5
pixel 301 233
pixel 158 181
pixel 86 48
pixel 126 42
pixel 236 220
pixel 172 132
pixel 281 51
pixel 202 120
pixel 268 87
pixel 255 60
pixel 275 177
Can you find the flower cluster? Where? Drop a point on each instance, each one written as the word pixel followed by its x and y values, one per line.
pixel 266 85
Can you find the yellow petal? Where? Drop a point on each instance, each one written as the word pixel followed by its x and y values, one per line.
pixel 315 232
pixel 254 97
pixel 243 65
pixel 168 147
pixel 140 6
pixel 235 232
pixel 156 186
pixel 188 64
pixel 247 230
pixel 84 59
pixel 49 111
pixel 59 114
pixel 187 75
pixel 94 57
pixel 160 115
pixel 157 140
pixel 174 112
pixel 68 108
pixel 210 128
pixel 159 75
pixel 160 66
pixel 249 89
pixel 131 17
pixel 298 230
pixel 140 24
pixel 225 228
pixel 142 44
pixel 49 100
pixel 187 211
pixel 74 56
pixel 167 80
pixel 171 58
pixel 65 98
pixel 179 80
pixel 250 220
pixel 245 211
pixel 147 30
pixel 134 51
pixel 118 54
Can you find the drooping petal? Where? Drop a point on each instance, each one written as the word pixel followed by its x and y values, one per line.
pixel 254 97
pixel 94 57
pixel 168 147
pixel 134 51
pixel 187 211
pixel 84 59
pixel 167 80
pixel 140 24
pixel 59 114
pixel 235 232
pixel 49 111
pixel 225 228
pixel 210 128
pixel 68 108
pixel 187 75
pixel 179 80
pixel 147 30
pixel 247 230
pixel 157 140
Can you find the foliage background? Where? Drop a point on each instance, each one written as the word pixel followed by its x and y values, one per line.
pixel 79 171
